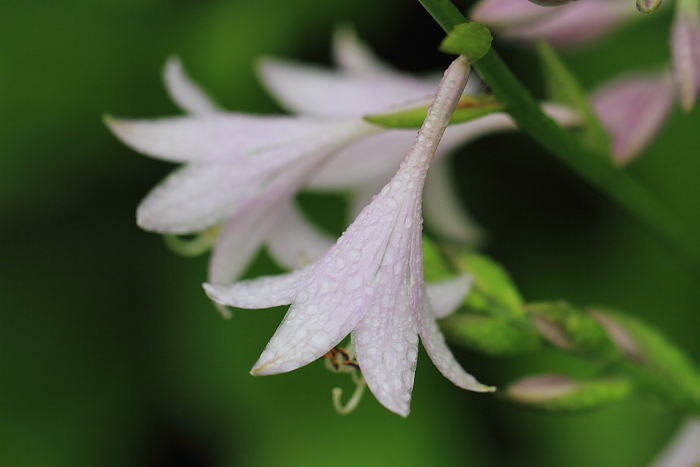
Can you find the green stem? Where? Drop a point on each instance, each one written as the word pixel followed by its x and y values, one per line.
pixel 600 173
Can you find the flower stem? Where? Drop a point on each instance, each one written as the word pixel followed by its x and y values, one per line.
pixel 600 173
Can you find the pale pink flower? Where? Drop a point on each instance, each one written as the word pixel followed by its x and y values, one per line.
pixel 369 283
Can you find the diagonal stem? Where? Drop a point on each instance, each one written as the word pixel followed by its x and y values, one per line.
pixel 600 173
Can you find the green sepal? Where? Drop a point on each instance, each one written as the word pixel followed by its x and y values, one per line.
pixel 473 40
pixel 493 336
pixel 573 330
pixel 493 291
pixel 657 365
pixel 563 87
pixel 561 394
pixel 469 107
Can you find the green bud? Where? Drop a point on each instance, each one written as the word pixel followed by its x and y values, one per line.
pixel 468 108
pixel 657 365
pixel 493 336
pixel 494 291
pixel 473 40
pixel 648 6
pixel 570 329
pixel 558 393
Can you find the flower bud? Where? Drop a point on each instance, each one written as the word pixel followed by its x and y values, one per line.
pixel 685 45
pixel 648 6
pixel 559 393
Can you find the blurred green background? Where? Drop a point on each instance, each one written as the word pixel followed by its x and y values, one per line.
pixel 111 355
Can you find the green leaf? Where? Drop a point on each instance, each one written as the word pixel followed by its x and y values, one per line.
pixel 493 336
pixel 473 40
pixel 469 108
pixel 557 393
pixel 563 87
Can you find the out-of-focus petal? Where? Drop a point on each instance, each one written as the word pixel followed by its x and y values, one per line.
pixel 262 292
pixel 442 209
pixel 193 198
pixel 575 23
pixel 227 138
pixel 294 241
pixel 322 92
pixel 633 109
pixel 352 54
pixel 446 296
pixel 684 449
pixel 187 94
pixel 685 45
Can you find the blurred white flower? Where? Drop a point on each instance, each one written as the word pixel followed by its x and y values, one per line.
pixel 684 448
pixel 242 171
pixel 370 283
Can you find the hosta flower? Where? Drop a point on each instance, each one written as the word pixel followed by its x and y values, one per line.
pixel 369 283
pixel 242 171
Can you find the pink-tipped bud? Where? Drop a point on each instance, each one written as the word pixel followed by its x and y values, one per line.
pixel 633 109
pixel 685 45
pixel 540 388
pixel 648 6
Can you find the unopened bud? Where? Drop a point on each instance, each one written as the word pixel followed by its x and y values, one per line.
pixel 648 6
pixel 559 393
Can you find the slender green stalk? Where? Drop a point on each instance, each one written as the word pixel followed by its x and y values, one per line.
pixel 600 173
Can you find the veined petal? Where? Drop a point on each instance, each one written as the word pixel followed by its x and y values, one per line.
pixel 440 354
pixel 506 13
pixel 386 347
pixel 294 241
pixel 322 92
pixel 633 110
pixel 227 137
pixel 376 157
pixel 446 296
pixel 187 94
pixel 195 197
pixel 262 292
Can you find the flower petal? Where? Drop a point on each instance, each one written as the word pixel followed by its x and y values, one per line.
pixel 227 137
pixel 633 109
pixel 440 354
pixel 262 292
pixel 294 241
pixel 352 54
pixel 446 296
pixel 684 449
pixel 184 92
pixel 386 347
pixel 322 92
pixel 195 197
